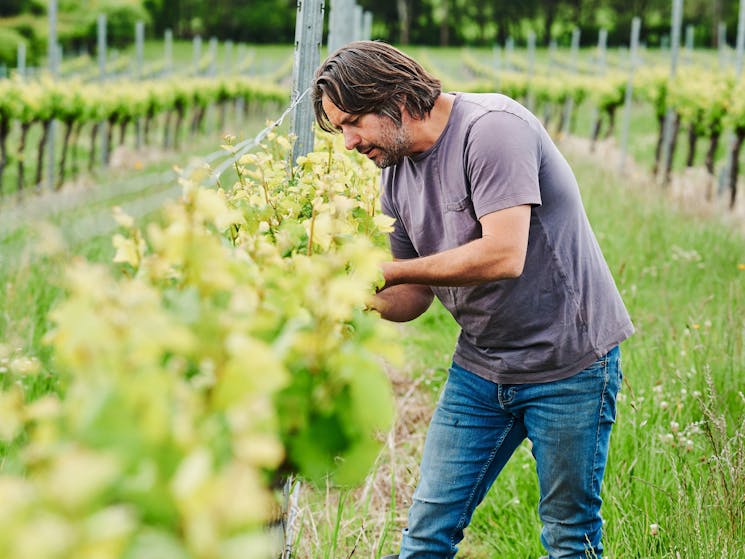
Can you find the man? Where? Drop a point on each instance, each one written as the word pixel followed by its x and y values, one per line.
pixel 488 219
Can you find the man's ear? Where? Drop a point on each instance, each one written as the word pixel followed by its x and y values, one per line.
pixel 405 114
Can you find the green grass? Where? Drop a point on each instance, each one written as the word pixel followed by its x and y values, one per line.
pixel 265 56
pixel 250 59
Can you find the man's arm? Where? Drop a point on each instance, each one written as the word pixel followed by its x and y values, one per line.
pixel 401 303
pixel 498 254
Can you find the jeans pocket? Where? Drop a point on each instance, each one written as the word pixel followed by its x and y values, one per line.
pixel 598 369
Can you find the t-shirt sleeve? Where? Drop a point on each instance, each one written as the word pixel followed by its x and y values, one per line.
pixel 502 158
pixel 401 246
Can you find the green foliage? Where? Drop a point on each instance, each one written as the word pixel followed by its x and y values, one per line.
pixel 76 26
pixel 9 41
pixel 118 101
pixel 121 17
pixel 455 22
pixel 228 349
pixel 78 22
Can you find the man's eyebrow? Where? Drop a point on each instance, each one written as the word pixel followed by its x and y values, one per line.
pixel 348 118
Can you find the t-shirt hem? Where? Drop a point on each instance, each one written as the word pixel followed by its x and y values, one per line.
pixel 543 376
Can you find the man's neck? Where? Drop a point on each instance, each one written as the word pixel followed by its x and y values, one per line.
pixel 425 132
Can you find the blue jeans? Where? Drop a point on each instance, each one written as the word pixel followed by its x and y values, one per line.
pixel 478 425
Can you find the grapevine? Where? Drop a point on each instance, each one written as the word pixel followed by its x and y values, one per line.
pixel 229 349
pixel 118 104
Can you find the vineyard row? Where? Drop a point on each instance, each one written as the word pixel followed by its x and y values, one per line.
pixel 704 103
pixel 103 108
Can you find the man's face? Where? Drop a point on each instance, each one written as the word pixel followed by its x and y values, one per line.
pixel 377 137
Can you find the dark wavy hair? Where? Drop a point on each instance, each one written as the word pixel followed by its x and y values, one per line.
pixel 373 77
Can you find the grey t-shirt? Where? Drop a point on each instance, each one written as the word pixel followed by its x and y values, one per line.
pixel 564 311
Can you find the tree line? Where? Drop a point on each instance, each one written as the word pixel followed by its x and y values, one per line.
pixel 454 22
pixel 425 22
pixel 484 22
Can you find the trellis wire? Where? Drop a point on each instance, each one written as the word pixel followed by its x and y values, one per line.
pixel 245 146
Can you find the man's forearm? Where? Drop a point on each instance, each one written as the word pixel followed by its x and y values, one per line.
pixel 498 254
pixel 401 303
pixel 476 262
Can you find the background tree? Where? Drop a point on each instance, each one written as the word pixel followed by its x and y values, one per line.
pixel 430 22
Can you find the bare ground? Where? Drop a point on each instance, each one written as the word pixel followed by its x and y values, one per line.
pixel 369 514
pixel 693 191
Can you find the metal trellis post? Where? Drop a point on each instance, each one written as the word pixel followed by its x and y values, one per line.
pixel 722 44
pixel 21 60
pixel 677 21
pixel 140 55
pixel 531 69
pixel 308 34
pixel 724 176
pixel 197 53
pixel 139 48
pixel 228 64
pixel 635 28
pixel 102 56
pixel 690 42
pixel 53 55
pixel 569 106
pixel 168 52
pixel 367 26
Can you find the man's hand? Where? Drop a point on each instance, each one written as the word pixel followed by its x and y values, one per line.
pixel 401 303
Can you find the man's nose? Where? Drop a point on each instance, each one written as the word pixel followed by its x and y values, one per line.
pixel 351 139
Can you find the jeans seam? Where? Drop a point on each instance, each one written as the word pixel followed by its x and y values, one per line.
pixel 462 520
pixel 601 409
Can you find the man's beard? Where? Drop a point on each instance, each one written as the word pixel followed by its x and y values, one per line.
pixel 396 145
